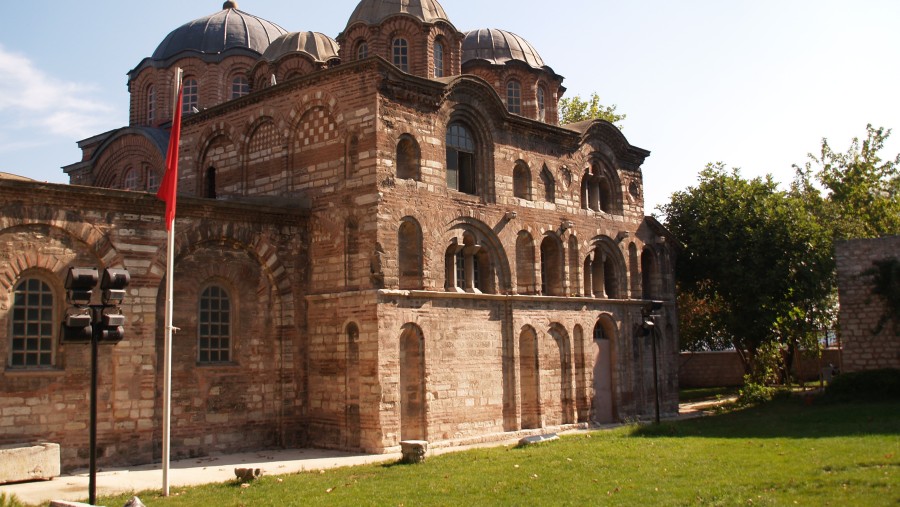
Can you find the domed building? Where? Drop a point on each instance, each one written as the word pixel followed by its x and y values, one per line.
pixel 381 236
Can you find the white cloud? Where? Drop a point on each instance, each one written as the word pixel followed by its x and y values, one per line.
pixel 31 99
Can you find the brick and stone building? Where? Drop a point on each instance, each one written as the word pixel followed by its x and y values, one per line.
pixel 380 237
pixel 869 332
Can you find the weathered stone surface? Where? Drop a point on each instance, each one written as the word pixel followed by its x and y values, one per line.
pixel 29 463
pixel 537 439
pixel 413 451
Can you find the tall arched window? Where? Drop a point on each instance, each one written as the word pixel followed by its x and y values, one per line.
pixel 514 97
pixel 408 158
pixel 541 104
pixel 362 50
pixel 191 98
pixel 239 87
pixel 214 326
pixel 33 324
pixel 409 246
pixel 460 158
pixel 438 59
pixel 151 104
pixel 400 50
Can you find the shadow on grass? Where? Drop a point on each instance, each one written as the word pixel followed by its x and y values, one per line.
pixel 787 418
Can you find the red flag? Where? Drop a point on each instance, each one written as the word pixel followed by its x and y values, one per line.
pixel 169 188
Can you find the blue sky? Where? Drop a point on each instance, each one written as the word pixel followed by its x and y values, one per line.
pixel 755 83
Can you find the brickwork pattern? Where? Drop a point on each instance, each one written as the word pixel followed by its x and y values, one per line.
pixel 860 312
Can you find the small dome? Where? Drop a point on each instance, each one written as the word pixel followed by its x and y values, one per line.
pixel 225 30
pixel 320 47
pixel 499 47
pixel 373 12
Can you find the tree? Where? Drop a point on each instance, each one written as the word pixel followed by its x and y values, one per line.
pixel 862 191
pixel 755 257
pixel 574 110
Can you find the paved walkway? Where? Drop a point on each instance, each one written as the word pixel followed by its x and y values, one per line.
pixel 192 472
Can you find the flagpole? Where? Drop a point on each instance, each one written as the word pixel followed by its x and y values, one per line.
pixel 170 271
pixel 167 360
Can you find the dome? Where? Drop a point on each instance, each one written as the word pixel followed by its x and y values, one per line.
pixel 320 47
pixel 373 12
pixel 228 29
pixel 499 47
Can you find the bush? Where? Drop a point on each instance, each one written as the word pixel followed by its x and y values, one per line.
pixel 754 392
pixel 872 385
pixel 10 501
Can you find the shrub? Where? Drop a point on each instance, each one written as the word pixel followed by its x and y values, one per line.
pixel 872 385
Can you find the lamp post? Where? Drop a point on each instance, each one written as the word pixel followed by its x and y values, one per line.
pixel 94 323
pixel 649 313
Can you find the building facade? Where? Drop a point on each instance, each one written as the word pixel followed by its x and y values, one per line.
pixel 380 237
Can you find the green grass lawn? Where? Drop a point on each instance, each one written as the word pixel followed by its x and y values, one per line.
pixel 782 453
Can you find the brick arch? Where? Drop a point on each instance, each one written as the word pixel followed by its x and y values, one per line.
pixel 618 268
pixel 220 132
pixel 263 138
pixel 295 65
pixel 258 247
pixel 127 149
pixel 499 257
pixel 95 242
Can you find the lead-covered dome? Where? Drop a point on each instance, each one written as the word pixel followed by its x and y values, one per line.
pixel 499 47
pixel 373 12
pixel 228 29
pixel 320 47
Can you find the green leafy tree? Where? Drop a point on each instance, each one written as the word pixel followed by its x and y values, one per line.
pixel 862 191
pixel 574 110
pixel 756 258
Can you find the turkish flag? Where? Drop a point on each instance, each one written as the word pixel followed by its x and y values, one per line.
pixel 169 188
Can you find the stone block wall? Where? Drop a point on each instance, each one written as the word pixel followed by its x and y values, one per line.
pixel 865 346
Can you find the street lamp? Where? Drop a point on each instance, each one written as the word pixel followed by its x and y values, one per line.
pixel 94 323
pixel 649 313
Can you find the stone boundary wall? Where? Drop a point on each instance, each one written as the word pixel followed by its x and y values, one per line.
pixel 724 369
pixel 860 312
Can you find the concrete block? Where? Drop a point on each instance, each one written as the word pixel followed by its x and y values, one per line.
pixel 536 439
pixel 29 463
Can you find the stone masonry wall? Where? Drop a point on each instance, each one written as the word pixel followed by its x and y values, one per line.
pixel 860 310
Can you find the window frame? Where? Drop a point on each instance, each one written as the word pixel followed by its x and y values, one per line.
pixel 541 104
pixel 240 86
pixel 400 53
pixel 438 59
pixel 362 50
pixel 190 95
pixel 151 104
pixel 47 289
pixel 224 295
pixel 514 96
pixel 462 160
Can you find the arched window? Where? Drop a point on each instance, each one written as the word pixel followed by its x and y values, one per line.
pixel 351 253
pixel 549 185
pixel 214 326
pixel 408 158
pixel 151 104
pixel 438 59
pixel 541 104
pixel 210 189
pixel 525 263
pixel 33 324
pixel 514 97
pixel 552 262
pixel 191 96
pixel 522 181
pixel 409 245
pixel 131 180
pixel 239 87
pixel 352 156
pixel 401 54
pixel 362 50
pixel 460 158
pixel 468 267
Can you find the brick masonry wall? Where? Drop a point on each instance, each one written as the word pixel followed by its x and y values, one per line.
pixel 725 369
pixel 860 310
pixel 215 408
